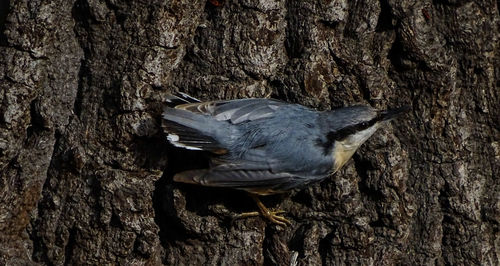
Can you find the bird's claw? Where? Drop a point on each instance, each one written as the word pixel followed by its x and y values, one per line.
pixel 272 216
pixel 277 219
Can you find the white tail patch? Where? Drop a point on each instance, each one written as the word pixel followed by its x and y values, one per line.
pixel 174 140
pixel 172 137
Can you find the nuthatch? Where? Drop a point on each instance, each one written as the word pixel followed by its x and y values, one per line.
pixel 266 146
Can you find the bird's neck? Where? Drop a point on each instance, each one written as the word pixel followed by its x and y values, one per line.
pixel 341 154
pixel 344 149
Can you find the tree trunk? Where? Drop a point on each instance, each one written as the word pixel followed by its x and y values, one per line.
pixel 86 173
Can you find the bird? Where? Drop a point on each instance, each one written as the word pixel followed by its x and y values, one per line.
pixel 267 146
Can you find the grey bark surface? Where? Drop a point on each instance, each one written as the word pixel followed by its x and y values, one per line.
pixel 86 173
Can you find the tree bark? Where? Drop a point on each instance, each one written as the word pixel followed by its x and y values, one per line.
pixel 86 173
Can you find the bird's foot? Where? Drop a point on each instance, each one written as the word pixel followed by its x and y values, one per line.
pixel 275 218
pixel 271 215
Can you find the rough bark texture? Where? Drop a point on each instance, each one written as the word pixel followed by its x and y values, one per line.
pixel 86 175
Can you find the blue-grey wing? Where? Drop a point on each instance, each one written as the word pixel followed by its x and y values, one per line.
pixel 211 126
pixel 258 181
pixel 277 154
pixel 235 111
pixel 262 177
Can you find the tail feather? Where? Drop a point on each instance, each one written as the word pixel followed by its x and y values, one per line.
pixel 178 98
pixel 189 138
pixel 192 131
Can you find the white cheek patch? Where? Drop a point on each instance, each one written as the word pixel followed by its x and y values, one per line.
pixel 345 149
pixel 174 140
pixel 354 141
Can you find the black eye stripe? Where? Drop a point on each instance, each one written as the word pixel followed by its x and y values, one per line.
pixel 345 132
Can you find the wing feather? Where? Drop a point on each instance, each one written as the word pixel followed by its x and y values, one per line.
pixel 255 181
pixel 235 111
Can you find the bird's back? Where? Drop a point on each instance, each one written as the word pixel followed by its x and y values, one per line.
pixel 288 142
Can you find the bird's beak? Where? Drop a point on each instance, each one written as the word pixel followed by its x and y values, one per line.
pixel 390 114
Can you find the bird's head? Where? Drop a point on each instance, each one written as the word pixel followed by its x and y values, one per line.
pixel 352 126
